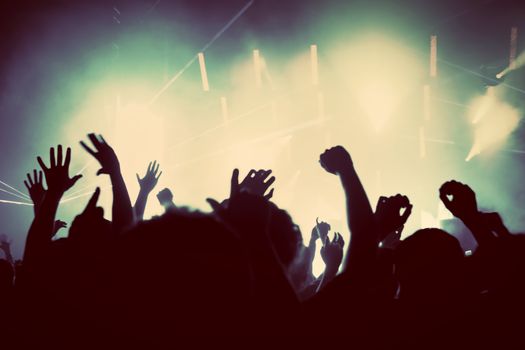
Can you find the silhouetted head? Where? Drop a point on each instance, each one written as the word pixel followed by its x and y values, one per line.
pixel 429 264
pixel 182 272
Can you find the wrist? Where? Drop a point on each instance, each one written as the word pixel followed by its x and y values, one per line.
pixel 346 169
pixel 53 194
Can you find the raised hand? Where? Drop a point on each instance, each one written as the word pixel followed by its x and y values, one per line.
pixel 256 183
pixel 332 251
pixel 149 181
pixel 57 175
pixel 43 226
pixel 105 155
pixel 90 224
pixel 363 246
pixel 332 254
pixel 122 211
pixel 336 160
pixel 320 231
pixel 462 203
pixel 391 215
pixel 35 187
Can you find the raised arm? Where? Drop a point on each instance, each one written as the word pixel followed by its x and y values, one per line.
pixel 122 211
pixel 147 184
pixel 463 205
pixel 36 189
pixel 58 182
pixel 247 213
pixel 364 238
pixel 332 254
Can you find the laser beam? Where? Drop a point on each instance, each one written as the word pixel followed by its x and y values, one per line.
pixel 194 58
pixel 14 189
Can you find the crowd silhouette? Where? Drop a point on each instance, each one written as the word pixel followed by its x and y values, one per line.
pixel 243 269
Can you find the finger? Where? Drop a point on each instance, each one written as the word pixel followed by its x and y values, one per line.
pixel 59 155
pixel 27 185
pixel 269 195
pixel 29 179
pixel 234 187
pixel 41 163
pixel 103 140
pixel 149 168
pixel 52 157
pixel 138 178
pixel 339 239
pixel 35 178
pixel 270 181
pixel 67 161
pixel 94 140
pixel 259 172
pixel 380 203
pixel 407 213
pixel 92 203
pixel 251 174
pixel 75 179
pixel 158 177
pixel 157 167
pixel 88 150
pixel 40 177
pixel 215 205
pixel 101 171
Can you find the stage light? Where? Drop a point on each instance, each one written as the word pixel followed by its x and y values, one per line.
pixel 204 74
pixel 433 56
pixel 517 63
pixel 490 76
pixel 496 122
pixel 314 64
pixel 513 47
pixel 257 68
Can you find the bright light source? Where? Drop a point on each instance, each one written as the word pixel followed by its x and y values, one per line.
pixel 138 140
pixel 378 100
pixel 257 68
pixel 481 105
pixel 496 121
pixel 380 74
pixel 433 56
pixel 314 64
pixel 204 74
pixel 513 47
